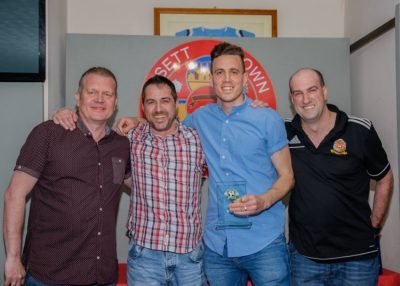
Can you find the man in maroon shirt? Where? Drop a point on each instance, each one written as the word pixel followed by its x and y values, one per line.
pixel 73 179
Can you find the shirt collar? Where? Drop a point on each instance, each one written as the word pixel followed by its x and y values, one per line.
pixel 82 127
pixel 340 123
pixel 237 108
pixel 147 130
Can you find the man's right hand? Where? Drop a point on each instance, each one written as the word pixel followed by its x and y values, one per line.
pixel 14 272
pixel 66 118
pixel 124 124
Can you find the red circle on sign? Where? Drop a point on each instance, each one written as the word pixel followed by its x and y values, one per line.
pixel 188 67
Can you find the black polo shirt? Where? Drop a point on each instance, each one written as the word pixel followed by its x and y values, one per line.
pixel 329 210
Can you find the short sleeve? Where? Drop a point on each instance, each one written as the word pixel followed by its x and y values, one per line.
pixel 275 133
pixel 33 154
pixel 189 121
pixel 377 162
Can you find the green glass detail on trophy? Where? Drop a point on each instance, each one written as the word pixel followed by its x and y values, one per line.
pixel 227 193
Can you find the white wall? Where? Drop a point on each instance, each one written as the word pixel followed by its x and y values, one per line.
pixel 56 39
pixel 305 18
pixel 373 77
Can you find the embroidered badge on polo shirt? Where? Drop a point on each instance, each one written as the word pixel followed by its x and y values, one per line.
pixel 339 147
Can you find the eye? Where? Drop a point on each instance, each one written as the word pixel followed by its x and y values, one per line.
pixel 296 93
pixel 313 90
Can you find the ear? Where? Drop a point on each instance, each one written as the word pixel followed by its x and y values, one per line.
pixel 245 77
pixel 177 108
pixel 325 92
pixel 290 97
pixel 116 104
pixel 210 79
pixel 77 98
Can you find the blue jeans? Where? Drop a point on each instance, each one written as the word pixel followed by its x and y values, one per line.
pixel 269 266
pixel 30 281
pixel 304 271
pixel 153 267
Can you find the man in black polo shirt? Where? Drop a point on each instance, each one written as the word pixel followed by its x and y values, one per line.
pixel 73 179
pixel 334 156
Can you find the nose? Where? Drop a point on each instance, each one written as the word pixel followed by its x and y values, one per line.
pixel 100 97
pixel 227 77
pixel 306 97
pixel 158 106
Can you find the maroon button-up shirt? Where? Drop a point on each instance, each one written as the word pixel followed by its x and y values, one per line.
pixel 71 230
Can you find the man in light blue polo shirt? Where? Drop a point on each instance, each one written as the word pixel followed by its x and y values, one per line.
pixel 250 172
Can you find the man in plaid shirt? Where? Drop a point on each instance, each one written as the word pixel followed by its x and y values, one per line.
pixel 164 219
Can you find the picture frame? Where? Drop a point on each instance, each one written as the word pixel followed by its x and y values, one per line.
pixel 174 21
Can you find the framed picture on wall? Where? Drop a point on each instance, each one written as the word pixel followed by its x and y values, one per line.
pixel 194 22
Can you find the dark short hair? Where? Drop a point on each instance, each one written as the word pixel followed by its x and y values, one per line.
pixel 159 80
pixel 224 49
pixel 100 71
pixel 317 72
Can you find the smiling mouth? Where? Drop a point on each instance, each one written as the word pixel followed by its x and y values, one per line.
pixel 309 107
pixel 227 88
pixel 160 117
pixel 98 108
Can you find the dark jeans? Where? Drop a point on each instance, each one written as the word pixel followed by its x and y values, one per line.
pixel 304 271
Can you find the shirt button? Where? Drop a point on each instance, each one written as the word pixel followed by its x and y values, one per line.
pixel 99 164
pixel 119 160
pixel 101 186
pixel 226 174
pixel 19 167
pixel 101 209
pixel 223 157
pixel 227 121
pixel 99 233
pixel 98 257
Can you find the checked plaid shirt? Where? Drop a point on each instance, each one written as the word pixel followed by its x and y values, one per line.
pixel 164 212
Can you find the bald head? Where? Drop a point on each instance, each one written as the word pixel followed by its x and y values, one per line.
pixel 306 71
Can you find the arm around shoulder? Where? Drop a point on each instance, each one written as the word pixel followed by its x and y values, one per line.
pixel 66 118
pixel 124 124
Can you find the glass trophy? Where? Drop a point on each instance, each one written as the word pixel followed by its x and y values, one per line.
pixel 227 193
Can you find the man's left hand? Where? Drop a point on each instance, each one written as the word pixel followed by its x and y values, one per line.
pixel 247 205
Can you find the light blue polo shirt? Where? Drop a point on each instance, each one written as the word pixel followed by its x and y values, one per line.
pixel 238 147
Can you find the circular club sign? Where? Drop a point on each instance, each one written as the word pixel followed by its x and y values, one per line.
pixel 188 67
